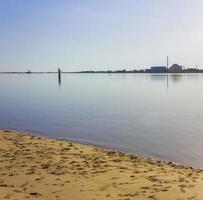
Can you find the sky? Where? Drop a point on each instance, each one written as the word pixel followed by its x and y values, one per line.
pixel 75 35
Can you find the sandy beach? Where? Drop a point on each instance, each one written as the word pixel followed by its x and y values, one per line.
pixel 33 167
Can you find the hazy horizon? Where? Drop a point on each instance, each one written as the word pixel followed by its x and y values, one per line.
pixel 99 35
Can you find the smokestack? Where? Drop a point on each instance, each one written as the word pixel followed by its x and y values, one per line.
pixel 167 62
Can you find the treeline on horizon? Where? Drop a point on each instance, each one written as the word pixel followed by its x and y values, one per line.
pixel 187 70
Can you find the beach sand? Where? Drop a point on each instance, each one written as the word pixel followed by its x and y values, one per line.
pixel 33 167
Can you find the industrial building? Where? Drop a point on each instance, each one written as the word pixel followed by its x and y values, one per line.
pixel 175 68
pixel 158 69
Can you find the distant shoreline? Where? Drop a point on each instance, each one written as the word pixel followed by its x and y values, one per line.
pixel 107 72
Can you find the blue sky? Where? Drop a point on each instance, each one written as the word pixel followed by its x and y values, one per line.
pixel 99 34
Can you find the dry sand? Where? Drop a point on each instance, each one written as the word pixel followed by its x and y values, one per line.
pixel 33 167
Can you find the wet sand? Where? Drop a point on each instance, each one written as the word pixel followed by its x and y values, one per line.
pixel 40 168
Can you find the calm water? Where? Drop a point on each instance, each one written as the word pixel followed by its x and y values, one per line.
pixel 153 115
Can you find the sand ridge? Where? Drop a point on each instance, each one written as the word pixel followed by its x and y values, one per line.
pixel 33 167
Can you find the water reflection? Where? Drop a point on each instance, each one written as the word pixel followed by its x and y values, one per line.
pixel 167 78
pixel 164 77
pixel 158 77
pixel 176 77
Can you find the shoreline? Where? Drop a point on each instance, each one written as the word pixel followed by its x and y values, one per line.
pixel 33 166
pixel 128 153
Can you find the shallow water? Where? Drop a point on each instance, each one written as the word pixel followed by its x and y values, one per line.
pixel 150 114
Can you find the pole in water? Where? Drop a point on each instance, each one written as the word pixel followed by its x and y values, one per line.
pixel 59 76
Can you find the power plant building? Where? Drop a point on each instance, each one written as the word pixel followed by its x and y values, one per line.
pixel 158 69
